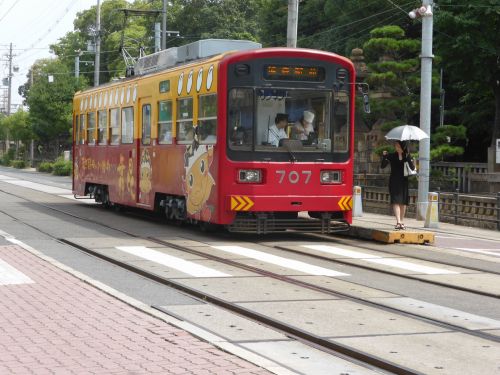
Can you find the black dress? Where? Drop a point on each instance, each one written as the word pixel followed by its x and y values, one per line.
pixel 398 182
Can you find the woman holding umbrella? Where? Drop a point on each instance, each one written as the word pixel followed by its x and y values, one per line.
pixel 398 182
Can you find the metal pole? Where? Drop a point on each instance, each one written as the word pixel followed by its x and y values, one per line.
pixel 97 45
pixel 425 110
pixel 32 145
pixel 164 26
pixel 157 36
pixel 9 98
pixel 77 65
pixel 293 16
pixel 441 96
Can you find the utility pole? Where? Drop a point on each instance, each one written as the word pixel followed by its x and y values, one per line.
pixel 77 64
pixel 9 97
pixel 157 36
pixel 442 93
pixel 164 26
pixel 32 143
pixel 97 45
pixel 425 12
pixel 293 17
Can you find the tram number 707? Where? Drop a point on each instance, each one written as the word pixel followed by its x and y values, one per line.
pixel 293 176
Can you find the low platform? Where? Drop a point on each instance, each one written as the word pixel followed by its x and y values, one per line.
pixel 385 233
pixel 403 236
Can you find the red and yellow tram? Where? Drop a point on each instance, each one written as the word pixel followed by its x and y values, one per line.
pixel 189 135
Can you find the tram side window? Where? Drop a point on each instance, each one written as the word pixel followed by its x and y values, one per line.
pixel 341 122
pixel 91 128
pixel 128 125
pixel 185 130
pixel 81 131
pixel 146 124
pixel 240 118
pixel 207 118
pixel 114 125
pixel 102 123
pixel 165 122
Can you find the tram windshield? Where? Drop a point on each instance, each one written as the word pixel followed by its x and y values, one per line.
pixel 273 121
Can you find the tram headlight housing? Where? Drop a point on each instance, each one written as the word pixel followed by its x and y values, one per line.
pixel 250 176
pixel 331 177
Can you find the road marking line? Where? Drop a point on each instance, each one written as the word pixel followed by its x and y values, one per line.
pixel 412 266
pixel 63 193
pixel 11 276
pixel 380 260
pixel 39 187
pixel 480 251
pixel 280 261
pixel 170 261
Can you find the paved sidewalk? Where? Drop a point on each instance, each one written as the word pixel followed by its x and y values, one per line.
pixel 54 323
pixel 387 222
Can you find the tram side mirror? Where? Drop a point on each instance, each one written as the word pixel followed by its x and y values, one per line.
pixel 363 89
pixel 366 103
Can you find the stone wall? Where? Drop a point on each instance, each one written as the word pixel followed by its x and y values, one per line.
pixel 461 209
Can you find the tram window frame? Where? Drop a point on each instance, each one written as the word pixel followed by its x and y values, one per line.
pixel 91 128
pixel 82 131
pixel 207 116
pixel 114 126
pixel 76 127
pixel 102 127
pixel 146 127
pixel 241 118
pixel 127 125
pixel 184 131
pixel 341 122
pixel 164 125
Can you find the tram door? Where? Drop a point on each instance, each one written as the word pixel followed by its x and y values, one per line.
pixel 146 155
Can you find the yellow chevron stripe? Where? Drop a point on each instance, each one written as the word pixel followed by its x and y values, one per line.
pixel 242 203
pixel 234 203
pixel 249 203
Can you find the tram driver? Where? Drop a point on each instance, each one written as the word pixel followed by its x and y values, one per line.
pixel 303 128
pixel 277 130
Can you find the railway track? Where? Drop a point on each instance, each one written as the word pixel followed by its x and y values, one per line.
pixel 314 340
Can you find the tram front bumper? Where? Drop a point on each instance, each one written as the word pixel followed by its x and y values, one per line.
pixel 290 203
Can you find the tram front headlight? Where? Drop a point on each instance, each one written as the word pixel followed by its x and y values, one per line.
pixel 250 176
pixel 331 177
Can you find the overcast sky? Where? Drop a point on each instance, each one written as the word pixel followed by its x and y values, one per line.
pixel 31 26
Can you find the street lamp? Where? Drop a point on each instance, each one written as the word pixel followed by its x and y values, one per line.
pixel 425 13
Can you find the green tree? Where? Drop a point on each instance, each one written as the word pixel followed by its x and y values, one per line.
pixel 336 26
pixel 468 40
pixel 394 76
pixel 19 129
pixel 50 103
pixel 447 142
pixel 112 20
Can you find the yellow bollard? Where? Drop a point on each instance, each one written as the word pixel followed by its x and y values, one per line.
pixel 357 208
pixel 432 215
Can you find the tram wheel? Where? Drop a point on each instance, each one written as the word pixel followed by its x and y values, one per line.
pixel 209 227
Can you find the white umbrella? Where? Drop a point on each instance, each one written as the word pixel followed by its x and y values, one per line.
pixel 406 133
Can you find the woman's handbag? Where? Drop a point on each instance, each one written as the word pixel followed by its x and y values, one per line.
pixel 407 170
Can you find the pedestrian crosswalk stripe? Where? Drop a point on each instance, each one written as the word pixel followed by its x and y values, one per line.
pixel 170 261
pixel 380 260
pixel 280 261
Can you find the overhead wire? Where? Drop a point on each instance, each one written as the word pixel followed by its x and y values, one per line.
pixel 11 7
pixel 348 24
pixel 50 29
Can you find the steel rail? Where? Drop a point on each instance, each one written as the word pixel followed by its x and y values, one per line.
pixel 358 356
